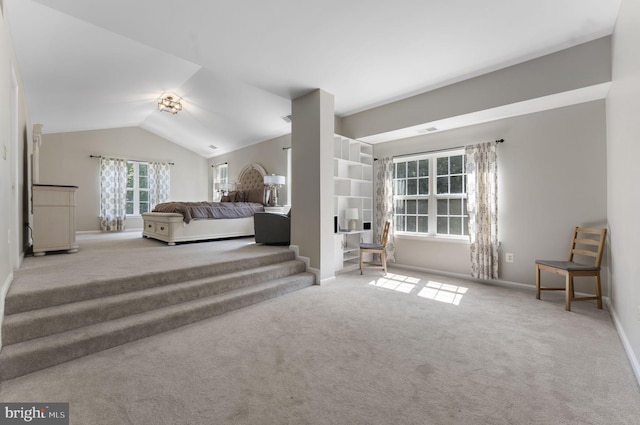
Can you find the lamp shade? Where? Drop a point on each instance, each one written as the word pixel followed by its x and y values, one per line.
pixel 272 179
pixel 351 214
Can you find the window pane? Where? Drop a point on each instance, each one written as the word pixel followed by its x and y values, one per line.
pixel 411 223
pixel 455 225
pixel 443 166
pixel 142 169
pixel 144 196
pixel 129 208
pixel 412 169
pixel 130 174
pixel 423 224
pixel 423 186
pixel 443 225
pixel 401 187
pixel 144 207
pixel 412 206
pixel 423 168
pixel 129 195
pixel 456 184
pixel 423 206
pixel 143 182
pixel 464 203
pixel 443 207
pixel 400 206
pixel 455 206
pixel 456 164
pixel 400 223
pixel 443 184
pixel 465 226
pixel 412 186
pixel 401 170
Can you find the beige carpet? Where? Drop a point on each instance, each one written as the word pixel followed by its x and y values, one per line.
pixel 409 348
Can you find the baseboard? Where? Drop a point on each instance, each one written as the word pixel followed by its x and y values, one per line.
pixel 3 294
pixel 98 232
pixel 307 263
pixel 633 359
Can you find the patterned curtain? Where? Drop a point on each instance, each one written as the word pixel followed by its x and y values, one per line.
pixel 384 202
pixel 113 194
pixel 482 205
pixel 159 183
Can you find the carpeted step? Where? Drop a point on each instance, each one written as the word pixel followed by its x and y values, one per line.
pixel 28 356
pixel 32 324
pixel 17 301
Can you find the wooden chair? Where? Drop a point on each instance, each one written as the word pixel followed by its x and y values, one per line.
pixel 377 248
pixel 583 244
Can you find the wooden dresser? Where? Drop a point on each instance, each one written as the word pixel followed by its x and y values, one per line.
pixel 54 218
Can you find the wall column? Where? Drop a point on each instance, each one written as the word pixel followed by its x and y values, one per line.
pixel 312 131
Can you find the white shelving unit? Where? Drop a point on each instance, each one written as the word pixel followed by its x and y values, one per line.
pixel 353 188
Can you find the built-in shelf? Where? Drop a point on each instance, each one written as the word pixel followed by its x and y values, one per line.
pixel 353 189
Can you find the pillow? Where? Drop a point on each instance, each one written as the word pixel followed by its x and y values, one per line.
pixel 239 196
pixel 225 198
pixel 255 195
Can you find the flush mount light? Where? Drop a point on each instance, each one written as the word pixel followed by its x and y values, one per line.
pixel 170 103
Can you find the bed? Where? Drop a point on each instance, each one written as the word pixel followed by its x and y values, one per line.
pixel 176 223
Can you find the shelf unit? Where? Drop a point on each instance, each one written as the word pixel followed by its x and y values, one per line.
pixel 353 188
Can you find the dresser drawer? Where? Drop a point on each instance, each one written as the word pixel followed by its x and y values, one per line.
pixel 162 229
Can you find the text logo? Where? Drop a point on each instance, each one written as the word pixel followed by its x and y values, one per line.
pixel 34 413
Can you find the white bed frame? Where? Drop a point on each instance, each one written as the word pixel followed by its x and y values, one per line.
pixel 171 228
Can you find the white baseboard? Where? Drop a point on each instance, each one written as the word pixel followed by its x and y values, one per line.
pixel 4 289
pixel 307 262
pixel 633 358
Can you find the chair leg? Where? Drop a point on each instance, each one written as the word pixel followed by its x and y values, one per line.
pixel 598 291
pixel 383 258
pixel 360 261
pixel 569 291
pixel 537 282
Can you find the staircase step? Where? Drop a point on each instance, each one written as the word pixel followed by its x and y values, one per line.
pixel 17 302
pixel 32 324
pixel 28 356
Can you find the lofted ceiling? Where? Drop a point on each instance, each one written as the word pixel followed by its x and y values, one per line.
pixel 237 65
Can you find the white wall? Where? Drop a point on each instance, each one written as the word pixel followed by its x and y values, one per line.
pixel 623 180
pixel 552 177
pixel 64 160
pixel 15 151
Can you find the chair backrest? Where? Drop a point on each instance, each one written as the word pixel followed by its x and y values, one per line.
pixel 584 243
pixel 385 233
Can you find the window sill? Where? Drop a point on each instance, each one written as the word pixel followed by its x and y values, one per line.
pixel 433 238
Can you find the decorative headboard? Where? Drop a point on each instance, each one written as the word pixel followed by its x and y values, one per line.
pixel 251 177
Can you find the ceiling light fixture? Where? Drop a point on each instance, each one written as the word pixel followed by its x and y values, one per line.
pixel 170 103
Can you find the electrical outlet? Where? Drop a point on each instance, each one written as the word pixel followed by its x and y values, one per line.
pixel 509 257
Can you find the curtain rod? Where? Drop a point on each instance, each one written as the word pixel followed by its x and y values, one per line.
pixel 217 165
pixel 130 160
pixel 435 151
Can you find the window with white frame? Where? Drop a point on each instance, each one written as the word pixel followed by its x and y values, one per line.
pixel 220 180
pixel 430 194
pixel 137 187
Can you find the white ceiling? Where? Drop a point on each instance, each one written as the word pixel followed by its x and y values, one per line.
pixel 237 64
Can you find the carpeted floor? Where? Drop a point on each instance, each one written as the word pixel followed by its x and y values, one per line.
pixel 408 348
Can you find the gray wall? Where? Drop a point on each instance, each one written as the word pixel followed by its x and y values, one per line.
pixel 551 177
pixel 623 149
pixel 64 159
pixel 269 154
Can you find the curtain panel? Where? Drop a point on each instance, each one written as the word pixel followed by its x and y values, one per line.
pixel 482 206
pixel 159 183
pixel 384 202
pixel 113 194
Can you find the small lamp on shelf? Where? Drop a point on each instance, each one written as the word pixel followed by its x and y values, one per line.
pixel 273 183
pixel 351 215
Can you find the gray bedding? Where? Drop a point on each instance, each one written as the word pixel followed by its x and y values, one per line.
pixel 209 210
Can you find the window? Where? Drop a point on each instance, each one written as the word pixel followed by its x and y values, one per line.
pixel 430 194
pixel 220 179
pixel 137 187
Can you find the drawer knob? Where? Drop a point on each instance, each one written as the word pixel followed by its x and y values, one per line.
pixel 161 227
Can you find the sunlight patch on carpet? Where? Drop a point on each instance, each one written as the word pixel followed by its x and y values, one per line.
pixel 432 290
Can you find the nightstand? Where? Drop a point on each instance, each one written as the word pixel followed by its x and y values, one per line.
pixel 283 209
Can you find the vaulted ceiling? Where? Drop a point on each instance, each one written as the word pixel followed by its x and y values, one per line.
pixel 238 64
